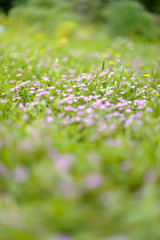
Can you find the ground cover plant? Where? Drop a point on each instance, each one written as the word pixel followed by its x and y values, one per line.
pixel 79 135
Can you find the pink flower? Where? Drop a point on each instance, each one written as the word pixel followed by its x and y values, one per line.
pixel 48 111
pixel 25 117
pixel 78 119
pixel 45 78
pixel 20 70
pixel 113 126
pixel 34 103
pixel 65 59
pixel 63 162
pixel 148 109
pixel 80 107
pixel 89 110
pixel 19 75
pixel 111 142
pixel 69 90
pixel 50 87
pixel 49 119
pixel 68 108
pixel 93 181
pixel 128 110
pixel 21 174
pixel 21 105
pixel 88 121
pixel 3 101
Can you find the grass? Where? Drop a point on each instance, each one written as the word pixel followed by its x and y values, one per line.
pixel 79 136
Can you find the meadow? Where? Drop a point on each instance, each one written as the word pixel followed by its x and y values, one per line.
pixel 79 135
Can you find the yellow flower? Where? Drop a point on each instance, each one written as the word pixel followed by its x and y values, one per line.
pixel 157 94
pixel 38 35
pixel 111 62
pixel 146 75
pixel 117 55
pixel 104 55
pixel 63 41
pixel 32 58
pixel 42 50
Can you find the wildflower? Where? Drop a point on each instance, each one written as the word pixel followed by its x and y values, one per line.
pixel 45 78
pixel 93 180
pixel 78 119
pixel 32 58
pixel 69 90
pixel 111 62
pixel 104 55
pixel 3 101
pixel 68 108
pixel 111 142
pixel 48 111
pixel 51 88
pixel 118 55
pixel 49 119
pixel 148 109
pixel 51 98
pixel 20 70
pixel 128 110
pixel 21 174
pixel 25 117
pixel 63 162
pixel 146 75
pixel 65 59
pixel 19 75
pixel 29 67
pixel 42 50
pixel 88 121
pixel 89 110
pixel 38 35
pixel 63 41
pixel 34 103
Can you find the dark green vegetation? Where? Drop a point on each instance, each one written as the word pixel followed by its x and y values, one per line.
pixel 117 18
pixel 86 8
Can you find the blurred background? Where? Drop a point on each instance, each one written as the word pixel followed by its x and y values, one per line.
pixel 132 18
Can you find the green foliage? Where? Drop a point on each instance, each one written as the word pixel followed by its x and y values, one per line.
pixel 47 3
pixel 127 18
pixel 47 14
pixel 88 9
pixel 32 14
